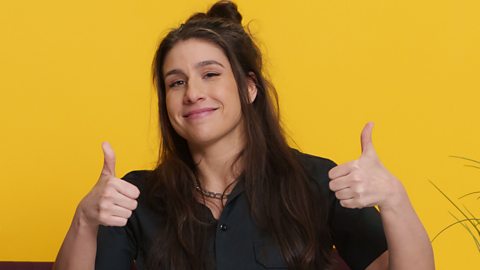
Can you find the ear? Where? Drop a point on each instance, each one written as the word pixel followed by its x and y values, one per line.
pixel 251 86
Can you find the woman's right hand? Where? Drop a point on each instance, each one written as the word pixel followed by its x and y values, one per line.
pixel 112 200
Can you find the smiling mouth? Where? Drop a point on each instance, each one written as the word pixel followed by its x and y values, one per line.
pixel 199 113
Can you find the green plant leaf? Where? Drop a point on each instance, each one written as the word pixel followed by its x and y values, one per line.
pixel 458 208
pixel 464 158
pixel 468 194
pixel 475 239
pixel 471 214
pixel 451 225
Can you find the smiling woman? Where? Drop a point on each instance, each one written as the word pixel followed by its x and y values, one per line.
pixel 228 192
pixel 201 95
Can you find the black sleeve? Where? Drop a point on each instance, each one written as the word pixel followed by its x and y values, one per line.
pixel 116 246
pixel 357 234
pixel 115 249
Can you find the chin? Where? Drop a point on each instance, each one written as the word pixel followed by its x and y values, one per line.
pixel 200 139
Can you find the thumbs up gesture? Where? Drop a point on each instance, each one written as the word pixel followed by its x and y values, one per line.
pixel 112 200
pixel 366 182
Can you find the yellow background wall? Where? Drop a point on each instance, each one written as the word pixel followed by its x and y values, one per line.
pixel 76 73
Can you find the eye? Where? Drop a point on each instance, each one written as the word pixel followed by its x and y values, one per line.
pixel 176 83
pixel 211 75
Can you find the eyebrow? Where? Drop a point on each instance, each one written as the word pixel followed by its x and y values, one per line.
pixel 208 62
pixel 197 65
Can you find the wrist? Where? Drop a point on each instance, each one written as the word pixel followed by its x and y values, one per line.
pixel 81 220
pixel 396 199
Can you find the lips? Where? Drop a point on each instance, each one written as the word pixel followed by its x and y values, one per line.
pixel 199 112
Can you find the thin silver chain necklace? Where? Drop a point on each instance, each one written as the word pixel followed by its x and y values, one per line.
pixel 213 195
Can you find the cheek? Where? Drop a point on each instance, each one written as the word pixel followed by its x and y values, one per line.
pixel 171 108
pixel 234 100
pixel 171 103
pixel 171 113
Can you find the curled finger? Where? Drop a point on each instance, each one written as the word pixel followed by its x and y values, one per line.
pixel 345 194
pixel 125 202
pixel 340 183
pixel 342 169
pixel 119 211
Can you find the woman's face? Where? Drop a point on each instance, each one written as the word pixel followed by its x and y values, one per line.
pixel 202 97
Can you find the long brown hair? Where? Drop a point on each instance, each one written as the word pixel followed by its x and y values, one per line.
pixel 277 188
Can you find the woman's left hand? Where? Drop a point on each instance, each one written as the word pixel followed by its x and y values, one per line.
pixel 366 182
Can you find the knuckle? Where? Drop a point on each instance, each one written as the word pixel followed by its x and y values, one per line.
pixel 360 203
pixel 356 164
pixel 331 174
pixel 134 204
pixel 133 191
pixel 103 218
pixel 103 206
pixel 331 186
pixel 344 204
pixel 111 183
pixel 358 190
pixel 123 222
pixel 106 194
pixel 137 192
pixel 356 176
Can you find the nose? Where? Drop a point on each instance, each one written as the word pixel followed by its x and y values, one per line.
pixel 194 92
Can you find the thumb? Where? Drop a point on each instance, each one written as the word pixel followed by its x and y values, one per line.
pixel 366 138
pixel 108 160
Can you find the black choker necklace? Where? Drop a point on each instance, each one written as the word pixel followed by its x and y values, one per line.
pixel 213 195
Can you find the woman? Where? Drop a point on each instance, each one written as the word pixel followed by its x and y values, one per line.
pixel 228 192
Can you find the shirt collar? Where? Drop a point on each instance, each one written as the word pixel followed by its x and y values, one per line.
pixel 237 189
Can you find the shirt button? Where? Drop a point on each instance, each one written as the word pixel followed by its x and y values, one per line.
pixel 223 227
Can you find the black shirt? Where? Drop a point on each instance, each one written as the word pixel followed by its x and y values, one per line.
pixel 237 243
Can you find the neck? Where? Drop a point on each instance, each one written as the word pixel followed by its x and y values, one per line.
pixel 216 165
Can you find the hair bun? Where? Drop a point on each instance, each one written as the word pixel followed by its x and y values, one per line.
pixel 226 10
